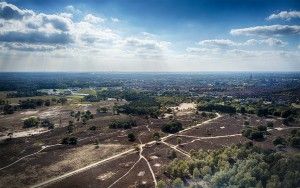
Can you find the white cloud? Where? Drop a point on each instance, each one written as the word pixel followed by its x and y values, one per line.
pixel 93 19
pixel 268 30
pixel 269 41
pixel 285 15
pixel 115 20
pixel 72 9
pixel 10 11
pixel 221 43
pixel 218 42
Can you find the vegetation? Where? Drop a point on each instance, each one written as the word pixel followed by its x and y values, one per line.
pixel 69 141
pixel 47 123
pixel 31 122
pixel 172 127
pixel 131 137
pixel 255 133
pixel 123 124
pixel 239 166
pixel 218 108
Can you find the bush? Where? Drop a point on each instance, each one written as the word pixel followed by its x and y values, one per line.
pixel 279 141
pixel 47 123
pixel 218 108
pixel 69 141
pixel 156 136
pixel 123 124
pixel 254 133
pixel 270 124
pixel 131 137
pixel 262 128
pixel 295 141
pixel 172 127
pixel 8 109
pixel 93 128
pixel 31 122
pixel 161 184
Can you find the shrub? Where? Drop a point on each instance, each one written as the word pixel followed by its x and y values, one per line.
pixel 279 141
pixel 69 141
pixel 31 122
pixel 47 123
pixel 123 124
pixel 93 128
pixel 161 184
pixel 131 137
pixel 156 136
pixel 172 127
pixel 270 124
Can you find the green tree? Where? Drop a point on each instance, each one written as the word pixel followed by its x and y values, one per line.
pixel 177 183
pixel 31 122
pixel 131 137
pixel 161 184
pixel 273 182
pixel 196 173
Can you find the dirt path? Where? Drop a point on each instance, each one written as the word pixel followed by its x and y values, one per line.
pixel 121 154
pixel 43 147
pixel 82 169
pixel 175 148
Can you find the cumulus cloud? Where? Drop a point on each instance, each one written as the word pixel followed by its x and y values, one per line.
pixel 221 43
pixel 114 19
pixel 29 31
pixel 72 9
pixel 93 19
pixel 269 41
pixel 10 11
pixel 285 15
pixel 30 47
pixel 268 30
pixel 218 43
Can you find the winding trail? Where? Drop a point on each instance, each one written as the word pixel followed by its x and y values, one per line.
pixel 43 147
pixel 121 154
pixel 82 169
pixel 175 148
pixel 125 173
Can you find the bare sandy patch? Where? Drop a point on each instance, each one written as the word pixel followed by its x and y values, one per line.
pixel 105 176
pixel 81 156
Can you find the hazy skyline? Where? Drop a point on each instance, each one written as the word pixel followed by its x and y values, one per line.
pixel 149 36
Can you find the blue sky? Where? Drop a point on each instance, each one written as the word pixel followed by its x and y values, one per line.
pixel 136 35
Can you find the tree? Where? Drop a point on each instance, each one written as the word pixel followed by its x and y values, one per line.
pixel 69 141
pixel 178 140
pixel 8 109
pixel 47 123
pixel 243 110
pixel 70 127
pixel 102 110
pixel 177 183
pixel 156 136
pixel 131 137
pixel 279 141
pixel 161 184
pixel 10 135
pixel 172 127
pixel 62 100
pixel 196 173
pixel 270 124
pixel 172 154
pixel 31 122
pixel 273 182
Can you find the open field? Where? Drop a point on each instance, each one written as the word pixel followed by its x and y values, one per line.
pixel 42 160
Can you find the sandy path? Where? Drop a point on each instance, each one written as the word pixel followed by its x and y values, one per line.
pixel 119 155
pixel 43 147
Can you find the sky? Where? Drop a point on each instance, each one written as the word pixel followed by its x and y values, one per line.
pixel 149 36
